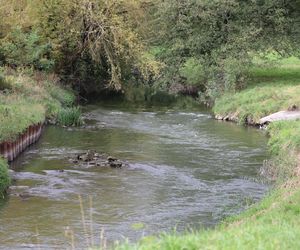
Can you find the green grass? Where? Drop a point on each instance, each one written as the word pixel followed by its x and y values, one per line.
pixel 284 146
pixel 15 118
pixel 28 98
pixel 284 135
pixel 4 176
pixel 270 90
pixel 70 117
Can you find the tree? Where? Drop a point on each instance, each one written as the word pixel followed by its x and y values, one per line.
pixel 105 33
pixel 221 36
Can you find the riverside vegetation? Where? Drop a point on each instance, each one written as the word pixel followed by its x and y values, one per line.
pixel 211 50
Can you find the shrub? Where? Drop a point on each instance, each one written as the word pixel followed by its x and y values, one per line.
pixel 26 50
pixel 193 71
pixel 4 176
pixel 70 117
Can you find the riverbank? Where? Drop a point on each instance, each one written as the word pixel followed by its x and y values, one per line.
pixel 274 223
pixel 28 98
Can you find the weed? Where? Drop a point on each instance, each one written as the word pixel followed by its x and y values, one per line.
pixel 70 117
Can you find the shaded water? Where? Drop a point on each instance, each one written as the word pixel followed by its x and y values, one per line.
pixel 186 171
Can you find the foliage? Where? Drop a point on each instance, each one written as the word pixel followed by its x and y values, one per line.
pixel 64 96
pixel 4 84
pixel 69 117
pixel 88 42
pixel 4 177
pixel 95 44
pixel 221 35
pixel 193 71
pixel 103 33
pixel 24 49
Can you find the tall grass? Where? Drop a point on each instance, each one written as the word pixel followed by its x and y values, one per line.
pixel 70 117
pixel 17 117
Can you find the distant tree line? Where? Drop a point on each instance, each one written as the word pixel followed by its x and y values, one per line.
pixel 92 44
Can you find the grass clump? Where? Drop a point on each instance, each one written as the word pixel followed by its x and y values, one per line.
pixel 4 176
pixel 70 117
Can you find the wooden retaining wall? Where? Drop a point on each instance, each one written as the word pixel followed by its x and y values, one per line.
pixel 11 149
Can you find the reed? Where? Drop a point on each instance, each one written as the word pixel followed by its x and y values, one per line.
pixel 70 117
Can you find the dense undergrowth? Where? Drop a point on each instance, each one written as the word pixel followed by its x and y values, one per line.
pixel 274 223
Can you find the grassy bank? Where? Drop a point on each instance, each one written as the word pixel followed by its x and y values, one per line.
pixel 269 90
pixel 274 223
pixel 26 98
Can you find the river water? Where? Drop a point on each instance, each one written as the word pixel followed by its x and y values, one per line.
pixel 186 171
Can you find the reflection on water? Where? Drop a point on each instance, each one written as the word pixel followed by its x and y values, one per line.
pixel 186 171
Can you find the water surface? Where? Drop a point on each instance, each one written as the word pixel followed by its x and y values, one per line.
pixel 186 171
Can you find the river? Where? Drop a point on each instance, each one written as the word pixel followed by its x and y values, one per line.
pixel 186 171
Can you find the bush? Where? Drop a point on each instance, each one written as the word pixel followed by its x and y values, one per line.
pixel 193 71
pixel 4 176
pixel 70 117
pixel 26 50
